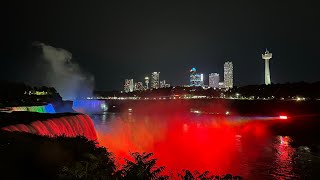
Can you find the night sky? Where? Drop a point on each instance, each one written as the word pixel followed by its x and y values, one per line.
pixel 114 40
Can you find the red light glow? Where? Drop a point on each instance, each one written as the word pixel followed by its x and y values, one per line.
pixel 283 117
pixel 217 145
pixel 70 126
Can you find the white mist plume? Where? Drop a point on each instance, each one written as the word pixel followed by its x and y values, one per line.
pixel 64 74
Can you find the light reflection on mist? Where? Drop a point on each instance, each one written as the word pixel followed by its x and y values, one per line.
pixel 63 72
pixel 188 142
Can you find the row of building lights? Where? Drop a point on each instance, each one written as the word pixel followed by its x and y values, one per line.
pixel 222 96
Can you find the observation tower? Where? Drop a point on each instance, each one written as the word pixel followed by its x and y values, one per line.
pixel 266 57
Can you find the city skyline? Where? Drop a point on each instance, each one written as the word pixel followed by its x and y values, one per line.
pixel 196 79
pixel 114 40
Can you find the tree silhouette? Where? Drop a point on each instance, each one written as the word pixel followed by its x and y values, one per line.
pixel 142 167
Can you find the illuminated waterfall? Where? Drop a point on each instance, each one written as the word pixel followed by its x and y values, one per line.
pixel 69 125
pixel 40 109
pixel 89 106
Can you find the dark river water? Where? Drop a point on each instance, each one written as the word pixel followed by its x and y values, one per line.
pixel 223 145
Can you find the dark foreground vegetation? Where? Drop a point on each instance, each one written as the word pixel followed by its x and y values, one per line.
pixel 28 156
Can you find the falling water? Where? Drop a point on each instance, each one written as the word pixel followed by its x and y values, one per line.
pixel 90 106
pixel 70 126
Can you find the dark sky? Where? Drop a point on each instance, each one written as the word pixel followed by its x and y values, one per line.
pixel 114 40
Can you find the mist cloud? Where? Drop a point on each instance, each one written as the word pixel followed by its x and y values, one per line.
pixel 63 73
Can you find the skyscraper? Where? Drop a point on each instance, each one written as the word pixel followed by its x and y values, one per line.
pixel 196 79
pixel 128 85
pixel 228 75
pixel 214 80
pixel 267 56
pixel 155 80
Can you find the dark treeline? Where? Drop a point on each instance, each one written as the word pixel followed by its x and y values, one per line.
pixel 17 93
pixel 28 156
pixel 288 90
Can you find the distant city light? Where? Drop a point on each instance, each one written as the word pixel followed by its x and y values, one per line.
pixel 300 98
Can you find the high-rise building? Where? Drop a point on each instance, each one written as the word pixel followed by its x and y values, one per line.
pixel 128 85
pixel 228 75
pixel 214 80
pixel 146 79
pixel 267 56
pixel 196 79
pixel 163 84
pixel 138 86
pixel 155 80
pixel 193 77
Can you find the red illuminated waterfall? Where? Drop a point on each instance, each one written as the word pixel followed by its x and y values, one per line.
pixel 70 126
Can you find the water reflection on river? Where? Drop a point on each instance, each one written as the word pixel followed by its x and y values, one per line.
pixel 238 146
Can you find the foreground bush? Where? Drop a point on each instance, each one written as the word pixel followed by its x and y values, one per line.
pixel 28 156
pixel 25 156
